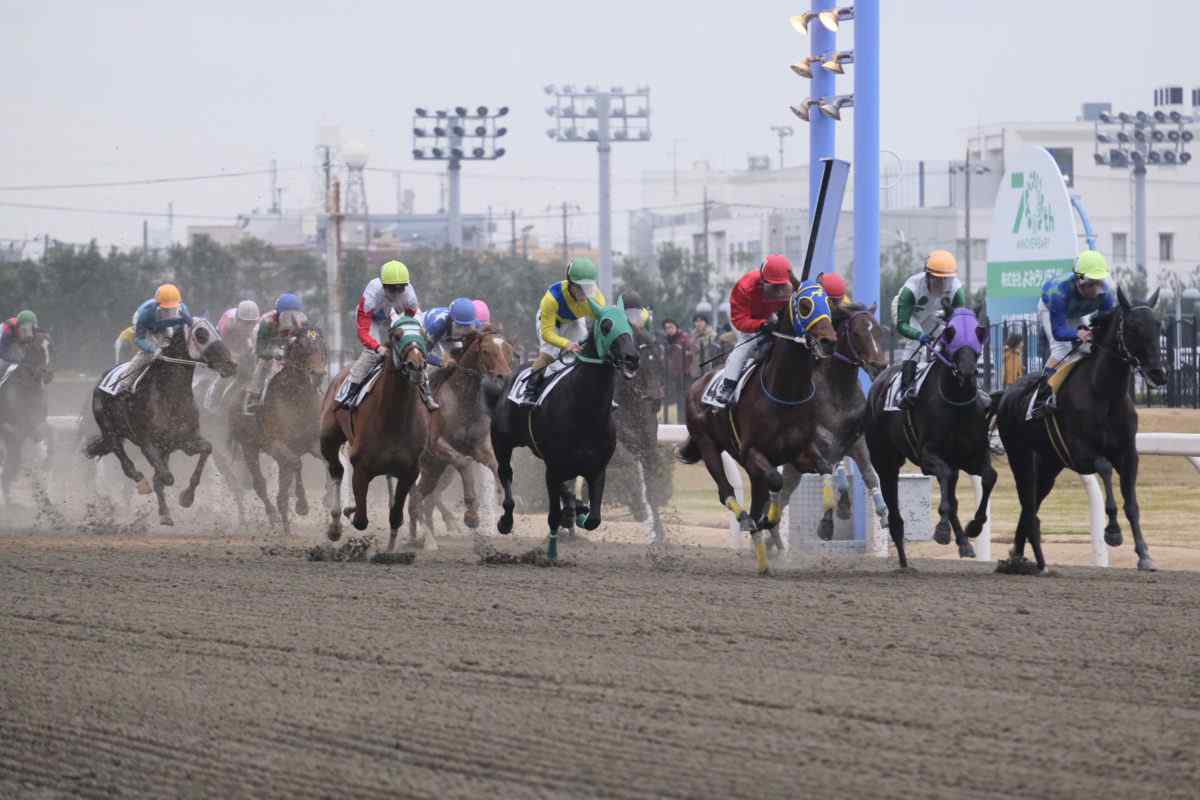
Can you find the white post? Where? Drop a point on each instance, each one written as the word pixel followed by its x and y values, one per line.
pixel 983 544
pixel 1091 484
pixel 734 475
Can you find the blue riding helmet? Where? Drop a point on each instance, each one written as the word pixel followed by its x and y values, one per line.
pixel 462 311
pixel 288 302
pixel 437 323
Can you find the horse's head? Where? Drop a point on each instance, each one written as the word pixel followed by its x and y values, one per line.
pixel 612 336
pixel 649 386
pixel 307 351
pixel 860 337
pixel 36 356
pixel 204 344
pixel 1136 336
pixel 488 354
pixel 810 319
pixel 408 347
pixel 961 343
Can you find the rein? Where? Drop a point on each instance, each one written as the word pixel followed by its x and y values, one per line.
pixel 855 358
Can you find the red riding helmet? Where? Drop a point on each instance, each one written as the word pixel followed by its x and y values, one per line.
pixel 833 284
pixel 776 269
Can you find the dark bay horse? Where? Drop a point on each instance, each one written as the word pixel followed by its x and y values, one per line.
pixel 573 430
pixel 461 432
pixel 1093 430
pixel 639 402
pixel 23 406
pixel 946 431
pixel 841 404
pixel 387 434
pixel 774 422
pixel 284 426
pixel 160 415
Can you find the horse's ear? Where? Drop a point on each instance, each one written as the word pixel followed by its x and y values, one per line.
pixel 981 333
pixel 1153 301
pixel 596 307
pixel 621 302
pixel 1122 299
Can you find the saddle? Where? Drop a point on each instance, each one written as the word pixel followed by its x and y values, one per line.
pixel 1055 382
pixel 892 398
pixel 110 382
pixel 550 378
pixel 709 398
pixel 344 388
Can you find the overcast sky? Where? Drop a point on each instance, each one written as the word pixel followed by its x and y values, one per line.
pixel 105 91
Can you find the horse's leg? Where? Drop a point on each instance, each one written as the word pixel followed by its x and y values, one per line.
pixel 359 482
pixel 444 451
pixel 226 468
pixel 331 447
pixel 987 475
pixel 946 477
pixel 424 496
pixel 12 462
pixel 1024 466
pixel 889 485
pixel 505 473
pixel 791 479
pixel 590 520
pixel 1046 477
pixel 1112 531
pixel 288 463
pixel 711 455
pixel 862 458
pixel 765 485
pixel 128 467
pixel 203 448
pixel 162 478
pixel 250 455
pixel 965 548
pixel 301 495
pixel 1128 470
pixel 554 510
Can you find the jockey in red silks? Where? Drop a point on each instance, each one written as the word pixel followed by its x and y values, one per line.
pixel 753 303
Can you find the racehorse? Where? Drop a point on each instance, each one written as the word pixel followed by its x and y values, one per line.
pixel 23 406
pixel 387 434
pixel 773 422
pixel 284 425
pixel 841 405
pixel 946 431
pixel 572 431
pixel 160 415
pixel 1093 430
pixel 460 436
pixel 639 402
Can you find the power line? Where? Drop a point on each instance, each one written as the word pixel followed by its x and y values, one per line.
pixel 118 212
pixel 139 182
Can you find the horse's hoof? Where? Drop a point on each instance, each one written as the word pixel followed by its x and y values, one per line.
pixel 843 505
pixel 942 534
pixel 966 551
pixel 590 522
pixel 764 573
pixel 348 512
pixel 359 522
pixel 143 486
pixel 166 479
pixel 1112 536
pixel 471 519
pixel 825 529
pixel 333 533
pixel 302 508
pixel 187 497
pixel 1146 564
pixel 974 528
pixel 166 521
pixel 504 525
pixel 906 570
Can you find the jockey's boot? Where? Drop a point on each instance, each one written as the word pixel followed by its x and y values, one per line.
pixel 427 394
pixel 351 392
pixel 1044 403
pixel 908 374
pixel 533 387
pixel 725 390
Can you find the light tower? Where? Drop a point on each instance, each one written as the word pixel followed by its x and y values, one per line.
pixel 355 155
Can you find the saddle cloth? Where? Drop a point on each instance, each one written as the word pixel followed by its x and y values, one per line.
pixel 554 373
pixel 892 399
pixel 709 398
pixel 108 384
pixel 4 378
pixel 344 389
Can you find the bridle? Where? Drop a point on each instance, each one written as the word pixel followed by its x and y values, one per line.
pixel 845 330
pixel 1122 351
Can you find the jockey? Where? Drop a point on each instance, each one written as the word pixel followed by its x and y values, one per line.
pixel 753 303
pixel 274 330
pixel 835 288
pixel 385 296
pixel 483 314
pixel 236 327
pixel 1064 313
pixel 446 327
pixel 14 335
pixel 152 324
pixel 919 308
pixel 562 319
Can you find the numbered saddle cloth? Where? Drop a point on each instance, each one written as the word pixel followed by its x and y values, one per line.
pixel 709 398
pixel 892 399
pixel 110 383
pixel 553 374
pixel 344 389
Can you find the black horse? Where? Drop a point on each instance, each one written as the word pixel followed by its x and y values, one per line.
pixel 1093 430
pixel 23 407
pixel 946 431
pixel 573 431
pixel 160 415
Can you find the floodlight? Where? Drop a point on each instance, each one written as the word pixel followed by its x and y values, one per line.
pixel 500 151
pixel 459 130
pixel 832 106
pixel 1169 156
pixel 477 152
pixel 801 110
pixel 803 67
pixel 1143 117
pixel 1157 135
pixel 482 111
pixel 831 19
pixel 418 154
pixel 439 132
pixel 441 114
pixel 460 111
pixel 456 152
pixel 1106 117
pixel 1125 118
pixel 1154 157
pixel 835 61
pixel 1104 138
pixel 1176 117
pixel 502 111
pixel 617 90
pixel 1100 160
pixel 1139 135
pixel 501 131
pixel 481 130
pixel 438 152
pixel 620 135
pixel 1174 136
pixel 552 133
pixel 1159 116
pixel 800 21
pixel 1186 136
pixel 422 112
pixel 549 88
pixel 644 135
pixel 593 135
pixel 1136 157
pixel 419 132
pixel 1118 158
pixel 1185 157
pixel 1123 137
pixel 552 111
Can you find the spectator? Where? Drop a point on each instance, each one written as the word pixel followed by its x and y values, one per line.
pixel 678 357
pixel 704 342
pixel 1014 359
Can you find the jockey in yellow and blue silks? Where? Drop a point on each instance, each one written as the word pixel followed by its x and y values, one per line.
pixel 153 322
pixel 562 318
pixel 1065 307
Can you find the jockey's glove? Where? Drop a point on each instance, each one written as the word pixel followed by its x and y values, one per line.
pixel 381 351
pixel 924 339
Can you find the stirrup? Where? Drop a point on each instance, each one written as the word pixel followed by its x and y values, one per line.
pixel 351 394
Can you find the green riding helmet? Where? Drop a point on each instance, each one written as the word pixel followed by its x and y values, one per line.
pixel 583 273
pixel 27 319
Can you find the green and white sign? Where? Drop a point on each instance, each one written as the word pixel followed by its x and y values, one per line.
pixel 1033 234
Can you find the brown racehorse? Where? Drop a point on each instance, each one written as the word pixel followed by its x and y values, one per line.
pixel 461 434
pixel 23 407
pixel 639 402
pixel 285 424
pixel 387 434
pixel 774 422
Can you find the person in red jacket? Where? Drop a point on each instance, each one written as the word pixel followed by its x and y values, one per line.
pixel 753 303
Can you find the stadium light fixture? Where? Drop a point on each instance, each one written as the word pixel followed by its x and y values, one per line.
pixel 832 106
pixel 834 63
pixel 800 21
pixel 832 19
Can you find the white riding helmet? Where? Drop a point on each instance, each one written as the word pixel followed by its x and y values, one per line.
pixel 247 311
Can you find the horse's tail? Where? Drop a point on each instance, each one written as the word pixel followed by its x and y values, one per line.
pixel 688 452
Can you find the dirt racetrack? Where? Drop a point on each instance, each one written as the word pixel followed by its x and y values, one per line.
pixel 212 666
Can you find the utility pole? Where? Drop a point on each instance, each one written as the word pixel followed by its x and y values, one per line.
pixel 454 218
pixel 967 199
pixel 675 167
pixel 333 236
pixel 566 242
pixel 327 165
pixel 604 148
pixel 171 221
pixel 782 131
pixel 491 238
pixel 513 240
pixel 145 238
pixel 705 214
pixel 275 187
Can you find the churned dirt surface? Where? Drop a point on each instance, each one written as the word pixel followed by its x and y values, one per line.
pixel 177 664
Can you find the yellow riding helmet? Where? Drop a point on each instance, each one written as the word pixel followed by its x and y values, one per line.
pixel 941 264
pixel 393 273
pixel 1091 265
pixel 168 296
